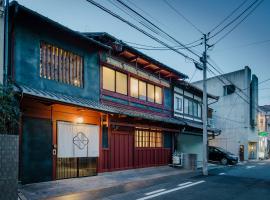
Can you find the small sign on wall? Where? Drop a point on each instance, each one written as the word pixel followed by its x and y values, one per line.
pixel 77 140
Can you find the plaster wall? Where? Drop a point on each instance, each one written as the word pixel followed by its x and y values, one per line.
pixel 232 113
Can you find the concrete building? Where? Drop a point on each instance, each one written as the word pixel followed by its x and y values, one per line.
pixel 1 39
pixel 235 114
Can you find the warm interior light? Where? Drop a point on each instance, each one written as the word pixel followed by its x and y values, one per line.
pixel 79 120
pixel 76 82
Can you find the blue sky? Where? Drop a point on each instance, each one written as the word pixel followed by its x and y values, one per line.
pixel 240 48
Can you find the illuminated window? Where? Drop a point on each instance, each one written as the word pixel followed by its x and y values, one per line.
pixel 108 79
pixel 134 87
pixel 158 95
pixel 150 93
pixel 148 138
pixel 121 83
pixel 60 65
pixel 142 90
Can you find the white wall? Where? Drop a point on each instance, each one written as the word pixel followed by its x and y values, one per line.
pixel 191 144
pixel 231 113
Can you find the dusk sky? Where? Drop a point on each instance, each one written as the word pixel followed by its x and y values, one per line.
pixel 248 44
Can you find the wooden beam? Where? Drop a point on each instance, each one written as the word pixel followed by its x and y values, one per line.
pixel 147 65
pixel 134 59
pixel 144 126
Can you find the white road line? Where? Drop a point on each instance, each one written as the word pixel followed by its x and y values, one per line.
pixel 261 163
pixel 155 191
pixel 182 184
pixel 221 174
pixel 171 190
pixel 249 167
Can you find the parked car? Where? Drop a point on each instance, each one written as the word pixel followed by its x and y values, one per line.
pixel 218 154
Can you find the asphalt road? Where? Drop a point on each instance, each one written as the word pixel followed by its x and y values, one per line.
pixel 245 181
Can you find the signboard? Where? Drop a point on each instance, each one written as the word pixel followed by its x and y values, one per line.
pixel 77 140
pixel 263 134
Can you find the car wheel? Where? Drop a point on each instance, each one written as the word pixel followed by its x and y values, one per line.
pixel 224 161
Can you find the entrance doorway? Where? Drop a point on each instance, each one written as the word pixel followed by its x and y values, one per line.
pixel 122 149
pixel 77 150
pixel 252 150
pixel 241 152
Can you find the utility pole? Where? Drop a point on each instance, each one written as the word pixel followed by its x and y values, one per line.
pixel 6 43
pixel 205 145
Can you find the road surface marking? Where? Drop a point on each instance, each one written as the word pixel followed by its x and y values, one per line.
pixel 261 163
pixel 249 167
pixel 221 174
pixel 155 191
pixel 186 183
pixel 171 190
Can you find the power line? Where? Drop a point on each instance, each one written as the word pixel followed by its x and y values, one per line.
pixel 249 44
pixel 144 18
pixel 236 18
pixel 139 29
pixel 228 16
pixel 160 47
pixel 239 22
pixel 181 15
pixel 163 49
pixel 134 4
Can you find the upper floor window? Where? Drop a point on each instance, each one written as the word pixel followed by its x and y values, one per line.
pixel 60 65
pixel 114 81
pixel 179 104
pixel 191 107
pixel 229 89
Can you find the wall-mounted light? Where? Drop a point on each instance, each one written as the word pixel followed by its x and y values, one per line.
pixel 79 120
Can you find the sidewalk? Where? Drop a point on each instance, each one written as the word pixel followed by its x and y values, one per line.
pixel 98 183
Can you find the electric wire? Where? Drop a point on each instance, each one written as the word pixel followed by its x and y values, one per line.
pixel 160 47
pixel 139 29
pixel 239 22
pixel 181 15
pixel 238 7
pixel 236 18
pixel 158 28
pixel 163 49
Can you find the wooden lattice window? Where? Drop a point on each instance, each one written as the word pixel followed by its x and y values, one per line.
pixel 60 65
pixel 148 138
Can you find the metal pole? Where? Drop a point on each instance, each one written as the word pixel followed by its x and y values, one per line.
pixel 6 38
pixel 205 146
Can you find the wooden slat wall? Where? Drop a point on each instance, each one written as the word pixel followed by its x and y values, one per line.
pixel 60 65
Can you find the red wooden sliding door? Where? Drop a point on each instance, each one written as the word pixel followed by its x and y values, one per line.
pixel 122 150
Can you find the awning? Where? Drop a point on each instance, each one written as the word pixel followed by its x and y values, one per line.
pixel 199 125
pixel 88 103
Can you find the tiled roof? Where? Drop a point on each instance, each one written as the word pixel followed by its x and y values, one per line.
pixel 88 103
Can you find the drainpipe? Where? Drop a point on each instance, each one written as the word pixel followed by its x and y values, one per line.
pixel 6 45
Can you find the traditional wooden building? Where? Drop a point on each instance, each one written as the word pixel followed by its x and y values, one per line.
pixel 89 103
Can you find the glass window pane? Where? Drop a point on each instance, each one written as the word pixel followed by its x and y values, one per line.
pixel 158 95
pixel 186 106
pixel 199 111
pixel 108 79
pixel 121 83
pixel 190 107
pixel 195 109
pixel 134 87
pixel 150 93
pixel 142 90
